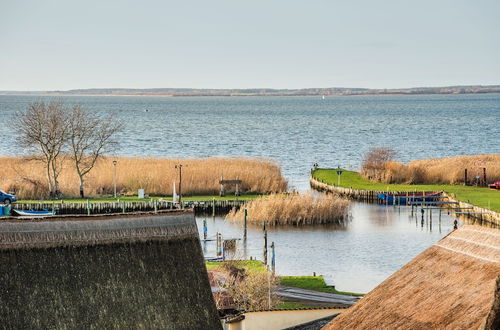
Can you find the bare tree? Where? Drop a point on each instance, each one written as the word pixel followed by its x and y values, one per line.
pixel 375 162
pixel 89 137
pixel 42 129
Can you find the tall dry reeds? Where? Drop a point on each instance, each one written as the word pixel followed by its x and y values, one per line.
pixel 199 176
pixel 294 209
pixel 442 170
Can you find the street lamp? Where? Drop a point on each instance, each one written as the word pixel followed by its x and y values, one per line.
pixel 179 166
pixel 114 166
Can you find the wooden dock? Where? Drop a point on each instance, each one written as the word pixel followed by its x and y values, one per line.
pixel 214 207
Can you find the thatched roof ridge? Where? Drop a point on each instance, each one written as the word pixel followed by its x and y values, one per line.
pixel 450 285
pixel 101 230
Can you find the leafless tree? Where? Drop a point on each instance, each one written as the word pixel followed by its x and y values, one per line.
pixel 89 137
pixel 42 129
pixel 375 161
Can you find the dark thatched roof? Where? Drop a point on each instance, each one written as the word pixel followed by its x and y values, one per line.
pixel 141 272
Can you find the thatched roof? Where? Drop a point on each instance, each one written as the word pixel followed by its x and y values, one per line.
pixel 451 285
pixel 127 272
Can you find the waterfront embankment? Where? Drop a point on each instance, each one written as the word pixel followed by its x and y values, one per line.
pixel 483 203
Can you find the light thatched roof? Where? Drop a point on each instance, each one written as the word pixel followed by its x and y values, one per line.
pixel 451 285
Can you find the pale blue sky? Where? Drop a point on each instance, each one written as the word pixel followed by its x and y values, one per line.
pixel 50 45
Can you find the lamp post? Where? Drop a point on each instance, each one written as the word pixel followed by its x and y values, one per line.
pixel 179 166
pixel 114 175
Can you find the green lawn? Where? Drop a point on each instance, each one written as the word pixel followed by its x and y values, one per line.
pixel 316 283
pixel 136 199
pixel 292 305
pixel 249 265
pixel 479 196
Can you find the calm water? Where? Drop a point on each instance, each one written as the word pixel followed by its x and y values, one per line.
pixel 295 131
pixel 376 243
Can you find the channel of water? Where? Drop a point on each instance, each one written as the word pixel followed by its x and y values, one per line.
pixel 377 241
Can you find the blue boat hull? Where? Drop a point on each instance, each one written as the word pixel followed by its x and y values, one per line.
pixel 391 199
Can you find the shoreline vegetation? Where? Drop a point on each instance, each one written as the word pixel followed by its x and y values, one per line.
pixel 294 209
pixel 200 177
pixel 479 196
pixel 329 91
pixel 450 170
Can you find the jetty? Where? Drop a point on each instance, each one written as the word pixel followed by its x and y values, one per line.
pixel 215 207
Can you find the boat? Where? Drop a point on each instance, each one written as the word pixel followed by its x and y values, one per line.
pixel 33 213
pixel 409 197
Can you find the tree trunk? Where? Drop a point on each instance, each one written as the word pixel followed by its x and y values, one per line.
pixel 57 188
pixel 49 180
pixel 82 194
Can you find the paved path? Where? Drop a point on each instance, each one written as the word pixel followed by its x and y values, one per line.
pixel 315 297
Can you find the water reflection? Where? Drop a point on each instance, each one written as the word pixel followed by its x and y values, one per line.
pixel 377 241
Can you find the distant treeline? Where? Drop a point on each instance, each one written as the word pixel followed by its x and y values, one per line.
pixel 269 91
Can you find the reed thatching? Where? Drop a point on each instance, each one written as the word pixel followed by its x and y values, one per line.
pixel 451 285
pixel 156 176
pixel 143 272
pixel 294 209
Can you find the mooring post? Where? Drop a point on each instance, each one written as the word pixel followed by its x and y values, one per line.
pixel 265 242
pixel 219 247
pixel 245 224
pixel 273 258
pixel 205 229
pixel 213 207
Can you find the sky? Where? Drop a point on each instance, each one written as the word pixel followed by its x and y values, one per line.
pixel 61 45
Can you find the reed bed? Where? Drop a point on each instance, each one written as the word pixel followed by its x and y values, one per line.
pixel 442 170
pixel 157 176
pixel 294 209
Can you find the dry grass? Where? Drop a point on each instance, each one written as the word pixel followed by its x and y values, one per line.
pixel 451 285
pixel 294 209
pixel 156 176
pixel 441 170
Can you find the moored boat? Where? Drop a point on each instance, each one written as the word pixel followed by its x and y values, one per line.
pixel 33 213
pixel 409 197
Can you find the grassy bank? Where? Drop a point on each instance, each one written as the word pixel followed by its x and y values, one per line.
pixel 156 176
pixel 294 209
pixel 479 196
pixel 315 283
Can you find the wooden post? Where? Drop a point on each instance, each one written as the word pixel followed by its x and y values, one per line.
pixel 465 177
pixel 205 229
pixel 484 177
pixel 245 224
pixel 222 193
pixel 265 242
pixel 88 207
pixel 213 207
pixel 273 258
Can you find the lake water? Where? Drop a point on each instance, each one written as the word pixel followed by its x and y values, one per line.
pixel 297 131
pixel 375 243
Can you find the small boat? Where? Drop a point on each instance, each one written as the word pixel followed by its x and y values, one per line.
pixel 404 198
pixel 33 213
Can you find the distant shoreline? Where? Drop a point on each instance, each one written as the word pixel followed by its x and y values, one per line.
pixel 191 92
